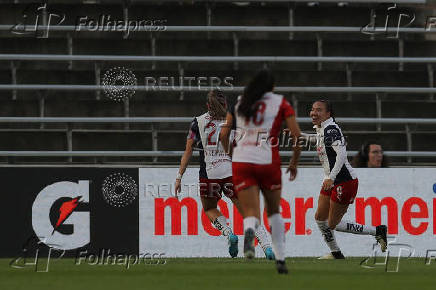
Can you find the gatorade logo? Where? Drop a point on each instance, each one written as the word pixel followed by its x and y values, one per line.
pixel 60 216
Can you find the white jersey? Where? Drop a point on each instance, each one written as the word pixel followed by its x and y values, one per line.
pixel 333 153
pixel 214 162
pixel 256 138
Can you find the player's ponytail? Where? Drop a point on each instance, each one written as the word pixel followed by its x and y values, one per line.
pixel 217 104
pixel 260 84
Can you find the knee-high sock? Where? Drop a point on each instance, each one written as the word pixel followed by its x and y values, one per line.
pixel 263 237
pixel 221 224
pixel 329 236
pixel 355 228
pixel 278 235
pixel 251 222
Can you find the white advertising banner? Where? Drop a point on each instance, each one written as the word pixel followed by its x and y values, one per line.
pixel 402 198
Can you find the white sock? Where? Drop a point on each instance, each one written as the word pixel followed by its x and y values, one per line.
pixel 263 237
pixel 221 224
pixel 329 236
pixel 355 228
pixel 278 235
pixel 251 222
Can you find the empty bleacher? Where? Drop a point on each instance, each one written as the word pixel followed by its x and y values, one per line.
pixel 171 136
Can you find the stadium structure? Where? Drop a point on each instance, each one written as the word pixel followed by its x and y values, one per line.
pixel 97 97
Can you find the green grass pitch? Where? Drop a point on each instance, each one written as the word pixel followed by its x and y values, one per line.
pixel 222 274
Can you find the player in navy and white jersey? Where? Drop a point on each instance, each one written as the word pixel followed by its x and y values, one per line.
pixel 340 184
pixel 215 174
pixel 258 117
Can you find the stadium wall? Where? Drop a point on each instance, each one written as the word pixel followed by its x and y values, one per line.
pixel 133 211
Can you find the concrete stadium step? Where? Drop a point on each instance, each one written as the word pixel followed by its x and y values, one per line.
pixel 363 109
pixel 19 107
pixel 423 141
pixel 73 107
pixel 55 77
pixel 112 141
pixel 390 78
pixel 389 141
pixel 45 140
pixel 408 109
pixel 33 45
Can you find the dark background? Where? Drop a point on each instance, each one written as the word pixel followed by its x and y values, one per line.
pixel 111 227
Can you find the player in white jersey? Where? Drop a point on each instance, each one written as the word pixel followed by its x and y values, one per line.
pixel 340 183
pixel 258 117
pixel 216 170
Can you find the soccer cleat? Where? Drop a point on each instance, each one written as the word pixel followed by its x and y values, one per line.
pixel 249 244
pixel 333 256
pixel 233 245
pixel 281 267
pixel 269 254
pixel 381 236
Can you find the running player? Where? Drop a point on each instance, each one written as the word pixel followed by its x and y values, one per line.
pixel 258 116
pixel 215 171
pixel 340 183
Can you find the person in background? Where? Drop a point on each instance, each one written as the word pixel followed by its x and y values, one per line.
pixel 370 155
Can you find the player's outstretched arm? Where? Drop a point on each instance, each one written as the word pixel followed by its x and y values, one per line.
pixel 295 131
pixel 224 136
pixel 184 164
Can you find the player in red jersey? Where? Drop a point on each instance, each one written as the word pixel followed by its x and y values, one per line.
pixel 216 171
pixel 258 116
pixel 340 183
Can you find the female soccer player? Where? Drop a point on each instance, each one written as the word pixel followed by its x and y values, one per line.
pixel 215 170
pixel 340 183
pixel 258 116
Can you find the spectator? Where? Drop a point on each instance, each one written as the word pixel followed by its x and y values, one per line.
pixel 370 155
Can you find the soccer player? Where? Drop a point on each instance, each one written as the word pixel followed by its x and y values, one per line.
pixel 258 116
pixel 340 183
pixel 215 170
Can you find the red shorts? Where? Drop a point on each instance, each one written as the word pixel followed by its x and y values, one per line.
pixel 213 188
pixel 343 193
pixel 266 176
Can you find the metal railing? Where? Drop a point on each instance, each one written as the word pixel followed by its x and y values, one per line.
pixel 178 153
pixel 149 58
pixel 205 88
pixel 399 121
pixel 156 153
pixel 269 29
